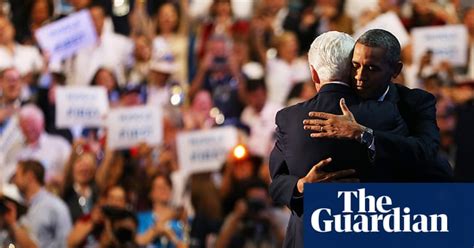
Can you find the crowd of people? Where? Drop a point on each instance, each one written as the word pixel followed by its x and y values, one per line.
pixel 206 63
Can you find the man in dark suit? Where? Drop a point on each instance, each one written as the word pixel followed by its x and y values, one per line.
pixel 376 61
pixel 295 152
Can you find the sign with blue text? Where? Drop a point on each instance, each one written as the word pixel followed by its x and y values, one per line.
pixel 205 150
pixel 84 105
pixel 130 126
pixel 389 215
pixel 63 38
pixel 447 43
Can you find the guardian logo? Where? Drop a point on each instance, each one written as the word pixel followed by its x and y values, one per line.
pixel 364 213
pixel 388 215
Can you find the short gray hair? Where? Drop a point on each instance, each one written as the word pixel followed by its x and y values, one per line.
pixel 330 55
pixel 385 40
pixel 32 112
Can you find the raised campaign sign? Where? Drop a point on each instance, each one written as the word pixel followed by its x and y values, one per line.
pixel 84 106
pixel 127 127
pixel 448 43
pixel 206 150
pixel 63 38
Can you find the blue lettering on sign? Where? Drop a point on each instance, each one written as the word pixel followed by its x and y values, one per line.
pixel 137 117
pixel 70 42
pixel 207 155
pixel 65 28
pixel 441 36
pixel 74 96
pixel 445 52
pixel 206 140
pixel 83 113
pixel 135 133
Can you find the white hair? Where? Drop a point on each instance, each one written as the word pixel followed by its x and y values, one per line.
pixel 330 55
pixel 31 112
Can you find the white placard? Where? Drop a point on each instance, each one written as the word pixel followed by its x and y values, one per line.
pixel 389 22
pixel 11 143
pixel 63 38
pixel 85 106
pixel 448 43
pixel 206 150
pixel 127 127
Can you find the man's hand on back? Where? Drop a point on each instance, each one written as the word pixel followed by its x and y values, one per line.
pixel 318 175
pixel 334 126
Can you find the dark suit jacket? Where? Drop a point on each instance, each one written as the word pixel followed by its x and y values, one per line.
pixel 464 139
pixel 295 152
pixel 412 158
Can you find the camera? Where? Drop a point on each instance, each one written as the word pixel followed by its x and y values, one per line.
pixel 3 206
pixel 255 206
pixel 20 209
pixel 254 226
pixel 219 63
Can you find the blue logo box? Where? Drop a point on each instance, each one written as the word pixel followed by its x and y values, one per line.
pixel 389 215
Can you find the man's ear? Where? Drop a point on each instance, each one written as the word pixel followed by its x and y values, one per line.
pixel 397 69
pixel 314 75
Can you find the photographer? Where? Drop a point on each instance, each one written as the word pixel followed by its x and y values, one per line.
pixel 10 231
pixel 219 73
pixel 120 228
pixel 91 229
pixel 253 223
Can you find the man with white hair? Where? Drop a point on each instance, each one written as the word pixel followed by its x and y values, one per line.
pixel 295 152
pixel 51 150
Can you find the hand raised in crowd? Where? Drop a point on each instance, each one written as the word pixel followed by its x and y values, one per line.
pixel 327 125
pixel 207 62
pixel 162 228
pixel 240 209
pixel 318 175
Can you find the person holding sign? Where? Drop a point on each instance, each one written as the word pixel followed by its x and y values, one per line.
pixel 112 51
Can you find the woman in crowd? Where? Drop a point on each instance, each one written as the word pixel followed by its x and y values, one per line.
pixel 105 77
pixel 172 35
pixel 162 226
pixel 80 191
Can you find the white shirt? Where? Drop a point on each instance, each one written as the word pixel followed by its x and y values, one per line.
pixel 262 127
pixel 113 52
pixel 25 59
pixel 52 151
pixel 281 77
pixel 158 96
pixel 382 97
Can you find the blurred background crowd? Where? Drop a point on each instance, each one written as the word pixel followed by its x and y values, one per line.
pixel 206 63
